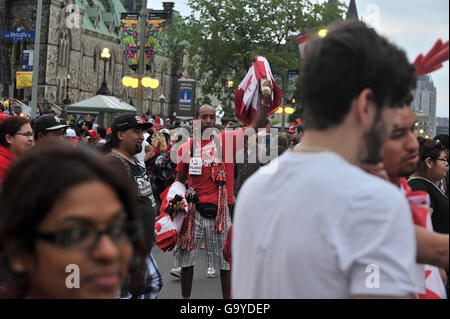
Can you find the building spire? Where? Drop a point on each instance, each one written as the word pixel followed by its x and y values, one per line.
pixel 352 12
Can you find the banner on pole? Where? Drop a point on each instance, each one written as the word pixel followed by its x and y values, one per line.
pixel 129 27
pixel 156 23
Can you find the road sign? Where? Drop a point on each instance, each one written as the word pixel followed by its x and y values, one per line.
pixel 18 35
pixel 185 97
pixel 186 100
pixel 27 60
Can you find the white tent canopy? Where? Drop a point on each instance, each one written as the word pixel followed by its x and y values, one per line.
pixel 101 103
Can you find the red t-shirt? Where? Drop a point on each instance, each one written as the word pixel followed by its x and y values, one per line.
pixel 207 189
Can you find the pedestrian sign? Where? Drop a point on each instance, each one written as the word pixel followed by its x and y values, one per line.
pixel 185 97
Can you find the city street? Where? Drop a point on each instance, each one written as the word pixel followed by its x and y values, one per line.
pixel 202 287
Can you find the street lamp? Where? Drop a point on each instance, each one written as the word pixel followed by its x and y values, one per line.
pixel 284 110
pixel 139 82
pixel 105 57
pixel 162 99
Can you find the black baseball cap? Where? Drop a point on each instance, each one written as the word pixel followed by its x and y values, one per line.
pixel 127 121
pixel 48 122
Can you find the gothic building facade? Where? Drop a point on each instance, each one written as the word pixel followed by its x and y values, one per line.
pixel 73 35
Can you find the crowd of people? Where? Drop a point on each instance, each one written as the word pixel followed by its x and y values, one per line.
pixel 297 214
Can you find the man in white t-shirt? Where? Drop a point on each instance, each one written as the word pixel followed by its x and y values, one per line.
pixel 311 224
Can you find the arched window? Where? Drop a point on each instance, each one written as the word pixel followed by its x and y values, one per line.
pixel 95 59
pixel 67 49
pixel 64 48
pixel 58 91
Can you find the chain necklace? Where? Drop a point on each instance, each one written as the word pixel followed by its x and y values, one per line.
pixel 301 148
pixel 425 179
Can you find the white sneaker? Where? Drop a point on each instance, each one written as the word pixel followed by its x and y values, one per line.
pixel 176 272
pixel 211 273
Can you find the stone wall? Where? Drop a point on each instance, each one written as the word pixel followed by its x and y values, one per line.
pixel 83 45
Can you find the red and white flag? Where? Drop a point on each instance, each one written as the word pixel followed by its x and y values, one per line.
pixel 302 44
pixel 247 97
pixel 419 202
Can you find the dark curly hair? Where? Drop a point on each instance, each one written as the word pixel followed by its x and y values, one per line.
pixel 44 175
pixel 352 57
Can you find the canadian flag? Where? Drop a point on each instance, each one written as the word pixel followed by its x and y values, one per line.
pixel 166 232
pixel 247 97
pixel 166 228
pixel 419 203
pixel 302 44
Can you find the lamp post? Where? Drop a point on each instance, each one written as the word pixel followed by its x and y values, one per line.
pixel 284 109
pixel 162 99
pixel 139 82
pixel 104 88
pixel 67 100
pixel 141 56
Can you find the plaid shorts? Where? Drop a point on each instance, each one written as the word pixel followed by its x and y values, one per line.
pixel 214 241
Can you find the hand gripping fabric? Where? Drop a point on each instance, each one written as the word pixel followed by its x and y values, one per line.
pixel 169 228
pixel 247 97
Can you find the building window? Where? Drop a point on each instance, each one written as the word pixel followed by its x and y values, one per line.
pixel 95 60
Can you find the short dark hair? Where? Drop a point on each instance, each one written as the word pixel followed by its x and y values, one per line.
pixel 89 124
pixel 45 174
pixel 443 138
pixel 349 59
pixel 11 125
pixel 428 148
pixel 101 131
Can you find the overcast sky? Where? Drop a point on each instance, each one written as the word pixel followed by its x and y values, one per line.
pixel 414 25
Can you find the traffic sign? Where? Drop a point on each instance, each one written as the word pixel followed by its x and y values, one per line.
pixel 18 35
pixel 185 97
pixel 27 60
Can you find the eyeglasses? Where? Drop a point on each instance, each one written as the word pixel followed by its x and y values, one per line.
pixel 27 134
pixel 87 238
pixel 442 159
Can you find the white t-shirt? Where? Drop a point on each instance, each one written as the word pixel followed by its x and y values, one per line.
pixel 318 227
pixel 141 156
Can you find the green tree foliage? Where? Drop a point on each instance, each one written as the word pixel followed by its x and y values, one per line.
pixel 226 35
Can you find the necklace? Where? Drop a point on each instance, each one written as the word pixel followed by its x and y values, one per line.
pixel 427 180
pixel 301 148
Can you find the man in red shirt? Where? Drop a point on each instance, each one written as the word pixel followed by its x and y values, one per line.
pixel 208 166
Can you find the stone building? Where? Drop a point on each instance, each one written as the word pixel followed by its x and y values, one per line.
pixel 73 35
pixel 424 105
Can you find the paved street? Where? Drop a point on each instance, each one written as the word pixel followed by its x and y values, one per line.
pixel 202 287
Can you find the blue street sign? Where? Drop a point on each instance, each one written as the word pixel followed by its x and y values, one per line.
pixel 27 60
pixel 18 35
pixel 185 97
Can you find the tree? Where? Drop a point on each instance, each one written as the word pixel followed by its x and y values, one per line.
pixel 226 35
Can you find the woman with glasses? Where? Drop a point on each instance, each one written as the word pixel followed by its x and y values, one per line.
pixel 16 137
pixel 431 169
pixel 68 227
